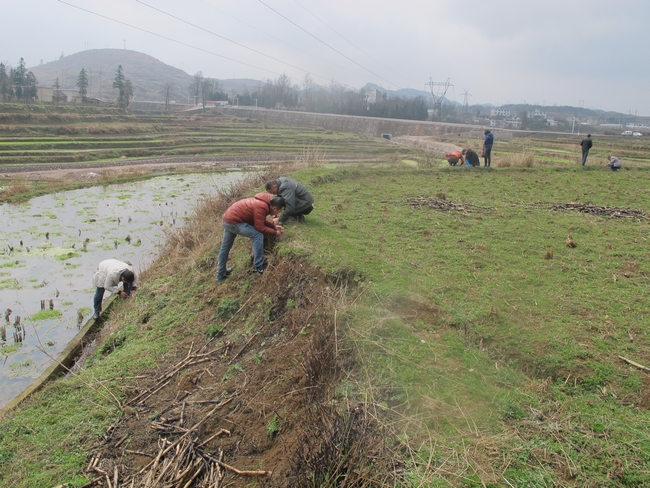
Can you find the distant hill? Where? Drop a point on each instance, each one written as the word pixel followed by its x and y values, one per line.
pixel 147 74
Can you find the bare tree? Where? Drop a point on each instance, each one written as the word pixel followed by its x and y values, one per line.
pixel 167 88
pixel 307 86
pixel 206 90
pixel 195 87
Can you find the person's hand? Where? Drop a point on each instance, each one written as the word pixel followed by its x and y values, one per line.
pixel 279 230
pixel 124 294
pixel 276 219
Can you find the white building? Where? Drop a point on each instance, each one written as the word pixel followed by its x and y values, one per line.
pixel 372 95
pixel 500 111
pixel 537 113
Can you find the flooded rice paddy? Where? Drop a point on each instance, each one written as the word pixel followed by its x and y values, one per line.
pixel 50 248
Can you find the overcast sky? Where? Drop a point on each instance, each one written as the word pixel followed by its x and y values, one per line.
pixel 591 53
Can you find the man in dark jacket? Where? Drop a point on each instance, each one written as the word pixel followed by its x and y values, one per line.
pixel 471 157
pixel 297 199
pixel 487 147
pixel 586 145
pixel 247 218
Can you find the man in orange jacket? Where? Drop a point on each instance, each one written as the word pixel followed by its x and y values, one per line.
pixel 247 218
pixel 453 158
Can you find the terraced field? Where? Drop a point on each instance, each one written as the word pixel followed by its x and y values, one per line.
pixel 103 135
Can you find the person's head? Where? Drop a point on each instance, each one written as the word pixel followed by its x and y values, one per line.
pixel 277 205
pixel 272 187
pixel 127 276
pixel 609 158
pixel 463 152
pixel 486 132
pixel 447 155
pixel 588 135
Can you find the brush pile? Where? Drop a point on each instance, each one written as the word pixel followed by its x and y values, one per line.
pixel 440 204
pixel 621 212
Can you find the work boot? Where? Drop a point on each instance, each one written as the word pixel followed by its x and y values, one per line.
pixel 223 277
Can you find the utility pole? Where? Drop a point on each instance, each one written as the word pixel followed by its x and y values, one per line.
pixel 439 94
pixel 466 95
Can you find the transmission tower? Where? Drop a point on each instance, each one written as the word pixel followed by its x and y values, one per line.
pixel 438 92
pixel 466 95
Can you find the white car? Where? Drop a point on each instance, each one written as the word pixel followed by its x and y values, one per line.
pixel 637 134
pixel 626 133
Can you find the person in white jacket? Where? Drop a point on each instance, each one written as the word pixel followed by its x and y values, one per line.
pixel 110 273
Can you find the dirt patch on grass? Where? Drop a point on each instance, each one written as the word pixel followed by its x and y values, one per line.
pixel 442 204
pixel 619 212
pixel 416 309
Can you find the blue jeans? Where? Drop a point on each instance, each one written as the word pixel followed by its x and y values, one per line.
pixel 97 300
pixel 584 156
pixel 243 229
pixel 99 295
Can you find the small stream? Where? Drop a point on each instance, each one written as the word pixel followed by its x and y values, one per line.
pixel 50 248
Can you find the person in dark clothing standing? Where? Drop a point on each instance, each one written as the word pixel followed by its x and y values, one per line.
pixel 487 147
pixel 471 157
pixel 586 145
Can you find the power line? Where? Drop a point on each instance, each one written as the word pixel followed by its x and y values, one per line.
pixel 276 38
pixel 226 39
pixel 168 38
pixel 347 40
pixel 332 48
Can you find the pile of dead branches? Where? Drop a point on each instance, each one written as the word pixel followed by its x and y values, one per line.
pixel 440 204
pixel 621 212
pixel 183 462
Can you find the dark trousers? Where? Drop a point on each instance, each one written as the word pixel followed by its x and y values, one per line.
pixel 99 295
pixel 487 156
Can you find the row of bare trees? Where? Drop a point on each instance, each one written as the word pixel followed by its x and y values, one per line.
pixel 282 93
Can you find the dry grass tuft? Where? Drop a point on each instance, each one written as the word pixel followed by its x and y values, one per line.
pixel 14 188
pixel 548 254
pixel 312 156
pixel 570 242
pixel 515 160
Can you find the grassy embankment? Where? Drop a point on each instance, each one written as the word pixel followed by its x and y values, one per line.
pixel 485 344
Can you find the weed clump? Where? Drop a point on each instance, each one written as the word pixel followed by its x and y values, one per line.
pixel 515 160
pixel 214 330
pixel 227 309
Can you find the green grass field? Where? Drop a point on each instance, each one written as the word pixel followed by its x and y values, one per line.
pixel 494 345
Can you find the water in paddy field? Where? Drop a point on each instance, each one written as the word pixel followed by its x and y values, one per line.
pixel 50 248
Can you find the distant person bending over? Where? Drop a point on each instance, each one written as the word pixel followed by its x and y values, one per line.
pixel 298 201
pixel 110 273
pixel 247 218
pixel 453 158
pixel 614 163
pixel 471 157
pixel 586 144
pixel 487 148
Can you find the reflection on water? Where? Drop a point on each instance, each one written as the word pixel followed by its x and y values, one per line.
pixel 50 248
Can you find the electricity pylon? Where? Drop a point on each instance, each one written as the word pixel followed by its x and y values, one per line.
pixel 466 95
pixel 438 95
